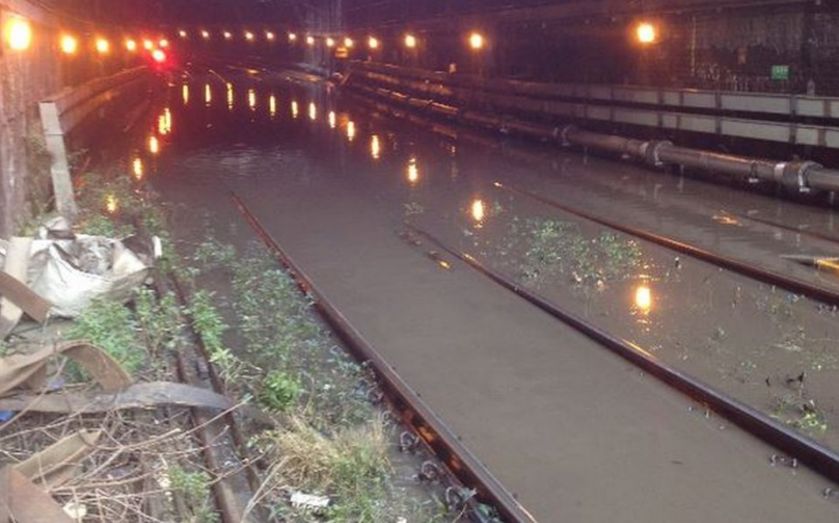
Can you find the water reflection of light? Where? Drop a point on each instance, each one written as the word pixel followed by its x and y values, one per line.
pixel 350 130
pixel 413 171
pixel 333 121
pixel 725 219
pixel 252 99
pixel 208 94
pixel 164 122
pixel 137 168
pixel 185 93
pixel 111 203
pixel 643 298
pixel 272 106
pixel 313 111
pixel 230 96
pixel 375 147
pixel 478 211
pixel 154 145
pixel 295 109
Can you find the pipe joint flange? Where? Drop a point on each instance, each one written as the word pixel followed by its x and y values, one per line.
pixel 563 135
pixel 793 175
pixel 753 177
pixel 653 152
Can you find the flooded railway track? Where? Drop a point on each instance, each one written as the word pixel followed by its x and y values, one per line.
pixel 511 399
pixel 786 440
pixel 431 430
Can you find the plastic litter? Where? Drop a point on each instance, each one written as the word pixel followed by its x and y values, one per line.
pixel 309 501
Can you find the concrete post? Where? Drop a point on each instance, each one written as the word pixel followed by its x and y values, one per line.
pixel 62 184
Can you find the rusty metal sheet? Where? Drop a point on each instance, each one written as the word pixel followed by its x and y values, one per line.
pixel 137 396
pixel 17 292
pixel 23 502
pixel 15 297
pixel 59 462
pixel 28 369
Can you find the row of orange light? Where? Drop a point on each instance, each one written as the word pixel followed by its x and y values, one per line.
pixel 17 33
pixel 645 32
pixel 69 45
pixel 475 39
pixel 18 36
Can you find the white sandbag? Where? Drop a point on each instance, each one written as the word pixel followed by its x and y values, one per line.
pixel 73 273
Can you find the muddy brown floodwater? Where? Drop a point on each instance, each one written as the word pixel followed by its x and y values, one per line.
pixel 577 433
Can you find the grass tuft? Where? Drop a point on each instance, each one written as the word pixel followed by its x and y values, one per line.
pixel 350 466
pixel 112 327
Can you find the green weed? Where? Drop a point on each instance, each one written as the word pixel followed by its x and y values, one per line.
pixel 800 414
pixel 210 326
pixel 112 327
pixel 552 248
pixel 279 391
pixel 159 320
pixel 195 489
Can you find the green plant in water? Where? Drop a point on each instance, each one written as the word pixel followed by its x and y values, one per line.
pixel 194 487
pixel 210 326
pixel 802 415
pixel 618 255
pixel 553 247
pixel 279 391
pixel 112 327
pixel 207 321
pixel 159 320
pixel 212 254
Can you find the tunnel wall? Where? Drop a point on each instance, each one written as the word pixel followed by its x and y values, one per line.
pixel 721 44
pixel 26 77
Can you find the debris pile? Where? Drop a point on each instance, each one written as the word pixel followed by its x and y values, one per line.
pixel 80 437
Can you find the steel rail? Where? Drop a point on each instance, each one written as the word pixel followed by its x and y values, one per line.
pixel 771 223
pixel 796 445
pixel 790 283
pixel 440 439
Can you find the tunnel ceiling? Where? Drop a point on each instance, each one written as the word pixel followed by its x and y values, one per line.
pixel 173 12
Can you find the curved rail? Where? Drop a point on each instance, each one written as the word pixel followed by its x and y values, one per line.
pixel 796 445
pixel 439 438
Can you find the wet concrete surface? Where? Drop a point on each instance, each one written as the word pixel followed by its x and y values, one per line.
pixel 576 432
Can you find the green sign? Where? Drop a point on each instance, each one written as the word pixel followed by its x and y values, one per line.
pixel 780 72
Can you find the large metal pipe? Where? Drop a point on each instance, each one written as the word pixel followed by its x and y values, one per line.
pixel 800 176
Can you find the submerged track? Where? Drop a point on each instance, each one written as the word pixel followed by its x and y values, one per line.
pixel 435 433
pixel 786 440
